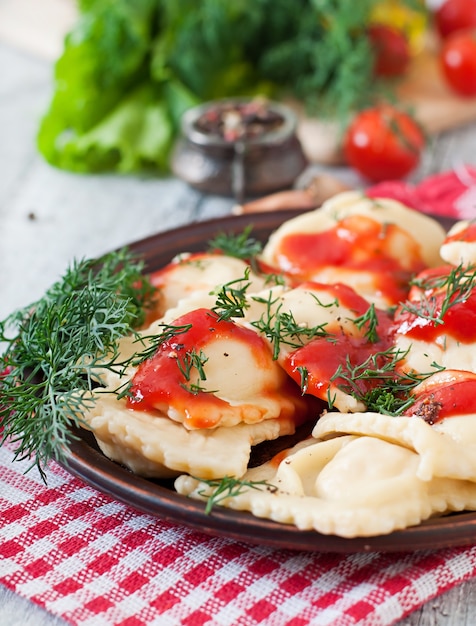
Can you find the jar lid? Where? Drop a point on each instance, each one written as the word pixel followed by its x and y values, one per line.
pixel 250 121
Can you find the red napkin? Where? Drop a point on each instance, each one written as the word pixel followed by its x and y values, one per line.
pixel 450 194
pixel 96 562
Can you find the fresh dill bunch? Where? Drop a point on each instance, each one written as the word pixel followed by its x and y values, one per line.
pixel 56 347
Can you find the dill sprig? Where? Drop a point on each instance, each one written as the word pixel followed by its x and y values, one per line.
pixel 190 362
pixel 151 343
pixel 369 321
pixel 56 348
pixel 281 328
pixel 231 298
pixel 391 387
pixel 229 487
pixel 304 374
pixel 454 287
pixel 240 245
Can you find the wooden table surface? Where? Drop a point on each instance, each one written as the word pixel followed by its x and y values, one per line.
pixel 49 217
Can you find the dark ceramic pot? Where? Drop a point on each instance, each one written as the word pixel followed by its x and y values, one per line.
pixel 243 166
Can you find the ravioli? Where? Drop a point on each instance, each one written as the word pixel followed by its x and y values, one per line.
pixel 314 329
pixel 459 246
pixel 212 372
pixel 441 452
pixel 153 445
pixel 372 245
pixel 331 487
pixel 437 323
pixel 199 273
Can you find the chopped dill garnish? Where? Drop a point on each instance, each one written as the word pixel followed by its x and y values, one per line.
pixel 240 246
pixel 231 298
pixel 192 360
pixel 280 327
pixel 304 382
pixel 369 320
pixel 391 387
pixel 228 487
pixel 152 343
pixel 457 285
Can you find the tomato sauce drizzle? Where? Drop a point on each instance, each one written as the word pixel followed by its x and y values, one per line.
pixel 355 243
pixel 160 382
pixel 458 398
pixel 468 234
pixel 459 321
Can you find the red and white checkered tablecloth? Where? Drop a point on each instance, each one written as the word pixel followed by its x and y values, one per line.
pixel 96 562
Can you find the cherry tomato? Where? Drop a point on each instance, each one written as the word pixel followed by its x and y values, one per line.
pixel 458 62
pixel 454 15
pixel 383 143
pixel 392 51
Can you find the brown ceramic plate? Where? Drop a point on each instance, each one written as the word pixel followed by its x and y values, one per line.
pixel 158 498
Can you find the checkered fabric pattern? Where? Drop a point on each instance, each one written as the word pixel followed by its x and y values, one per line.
pixel 96 562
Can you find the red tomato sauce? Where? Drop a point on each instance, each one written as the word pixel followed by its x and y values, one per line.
pixel 355 243
pixel 322 358
pixel 468 234
pixel 159 381
pixel 459 321
pixel 458 398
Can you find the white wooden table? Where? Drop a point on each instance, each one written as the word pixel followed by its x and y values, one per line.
pixel 48 217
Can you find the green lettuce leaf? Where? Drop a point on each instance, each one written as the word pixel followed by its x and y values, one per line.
pixel 130 68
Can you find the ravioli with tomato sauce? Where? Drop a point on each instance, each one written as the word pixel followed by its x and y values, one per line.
pixel 208 393
pixel 322 329
pixel 362 288
pixel 213 372
pixel 459 246
pixel 373 245
pixel 437 322
pixel 365 474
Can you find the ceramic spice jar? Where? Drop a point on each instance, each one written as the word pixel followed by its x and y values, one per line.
pixel 239 147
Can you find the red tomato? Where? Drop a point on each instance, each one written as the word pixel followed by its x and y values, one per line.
pixel 455 15
pixel 458 61
pixel 383 143
pixel 392 52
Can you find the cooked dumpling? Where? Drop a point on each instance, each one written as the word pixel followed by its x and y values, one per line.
pixel 348 486
pixel 316 330
pixel 441 453
pixel 373 245
pixel 211 372
pixel 459 246
pixel 199 273
pixel 152 445
pixel 437 324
